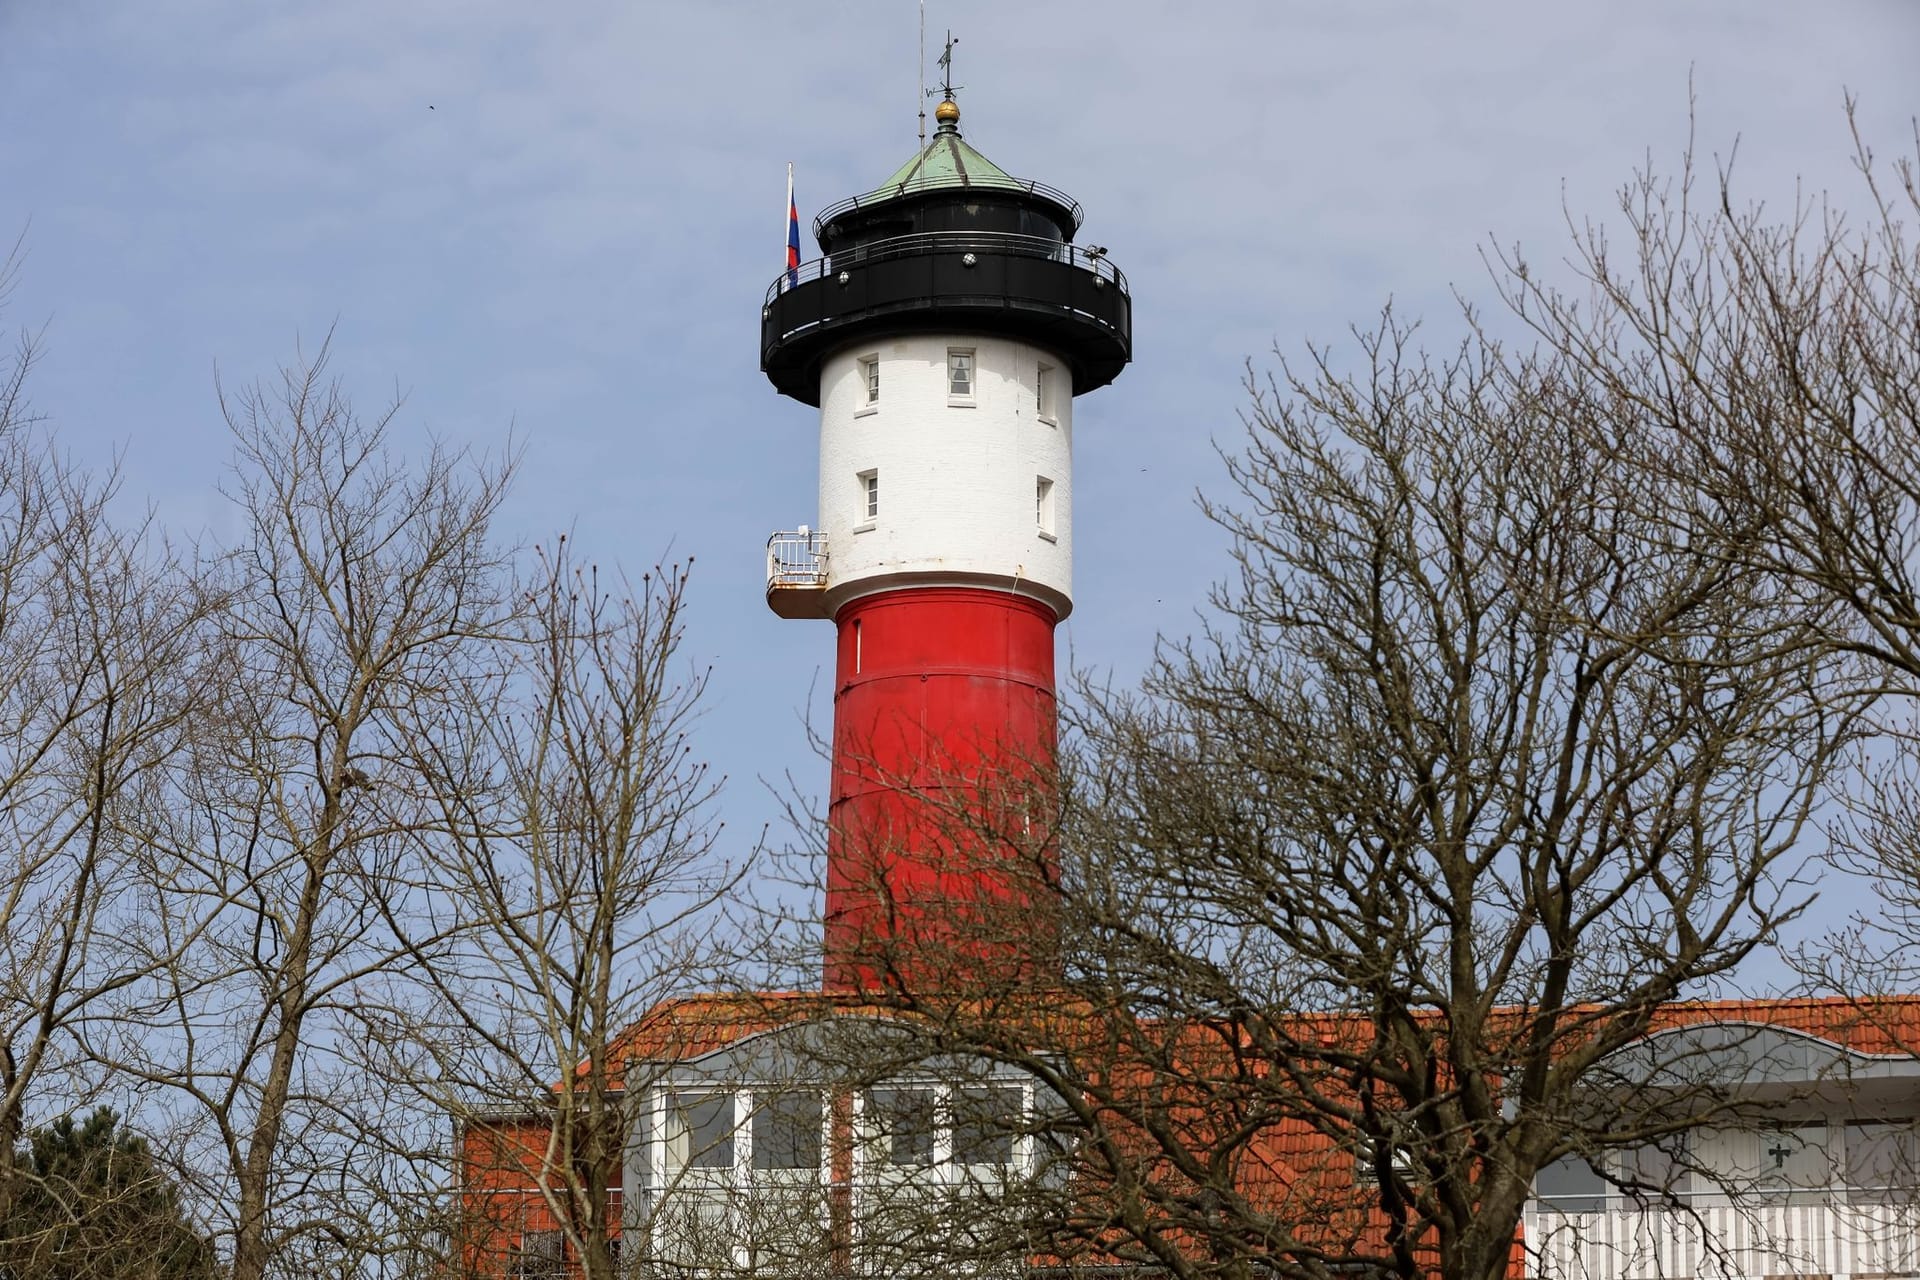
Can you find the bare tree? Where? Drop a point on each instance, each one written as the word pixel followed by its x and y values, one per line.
pixel 355 600
pixel 1772 362
pixel 1476 769
pixel 571 879
pixel 98 651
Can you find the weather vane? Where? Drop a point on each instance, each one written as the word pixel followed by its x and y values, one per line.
pixel 945 63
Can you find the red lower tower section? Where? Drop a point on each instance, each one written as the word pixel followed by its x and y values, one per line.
pixel 944 731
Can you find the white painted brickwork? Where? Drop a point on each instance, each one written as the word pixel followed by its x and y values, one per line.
pixel 956 481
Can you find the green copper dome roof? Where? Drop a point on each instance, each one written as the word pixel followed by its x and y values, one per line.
pixel 948 163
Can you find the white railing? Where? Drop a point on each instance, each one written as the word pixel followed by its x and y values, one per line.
pixel 1725 1242
pixel 797 559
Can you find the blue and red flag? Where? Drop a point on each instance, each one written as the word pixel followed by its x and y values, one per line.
pixel 793 233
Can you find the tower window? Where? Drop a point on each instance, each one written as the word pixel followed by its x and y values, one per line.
pixel 869 497
pixel 1043 505
pixel 870 374
pixel 960 373
pixel 1045 384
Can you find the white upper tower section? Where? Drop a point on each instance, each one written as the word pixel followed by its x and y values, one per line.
pixel 947 459
pixel 943 335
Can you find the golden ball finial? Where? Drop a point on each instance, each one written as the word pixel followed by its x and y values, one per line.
pixel 947 112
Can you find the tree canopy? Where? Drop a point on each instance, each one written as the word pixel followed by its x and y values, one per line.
pixel 91 1202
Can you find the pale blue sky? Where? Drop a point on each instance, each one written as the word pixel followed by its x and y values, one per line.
pixel 559 219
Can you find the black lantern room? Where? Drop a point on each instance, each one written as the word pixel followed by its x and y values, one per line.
pixel 950 243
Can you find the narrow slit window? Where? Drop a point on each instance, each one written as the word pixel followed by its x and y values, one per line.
pixel 869 496
pixel 960 373
pixel 1043 505
pixel 870 374
pixel 1043 392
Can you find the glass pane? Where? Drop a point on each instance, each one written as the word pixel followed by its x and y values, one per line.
pixel 985 1119
pixel 902 1124
pixel 960 373
pixel 1656 1169
pixel 1881 1161
pixel 1571 1185
pixel 786 1133
pixel 873 380
pixel 702 1124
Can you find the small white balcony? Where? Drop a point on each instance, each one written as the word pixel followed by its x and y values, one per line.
pixel 797 573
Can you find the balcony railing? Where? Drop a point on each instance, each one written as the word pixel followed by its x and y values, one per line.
pixel 1062 296
pixel 797 559
pixel 1725 1242
pixel 954 242
pixel 797 573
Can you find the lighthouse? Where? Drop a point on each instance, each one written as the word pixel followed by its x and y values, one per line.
pixel 944 335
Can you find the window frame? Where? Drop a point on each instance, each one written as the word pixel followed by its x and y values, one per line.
pixel 943 1134
pixel 870 384
pixel 1898 1137
pixel 971 358
pixel 1044 508
pixel 1046 390
pixel 772 1106
pixel 866 499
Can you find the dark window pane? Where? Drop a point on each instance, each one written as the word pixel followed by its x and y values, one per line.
pixel 902 1121
pixel 786 1133
pixel 985 1119
pixel 1571 1185
pixel 707 1120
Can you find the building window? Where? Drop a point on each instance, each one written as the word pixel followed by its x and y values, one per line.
pixel 1571 1185
pixel 1791 1162
pixel 956 1132
pixel 786 1132
pixel 699 1131
pixel 868 498
pixel 985 1120
pixel 960 373
pixel 1883 1163
pixel 870 374
pixel 1045 388
pixel 1043 506
pixel 1656 1172
pixel 902 1123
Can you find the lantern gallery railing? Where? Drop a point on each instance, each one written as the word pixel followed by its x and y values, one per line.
pixel 1062 297
pixel 958 244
